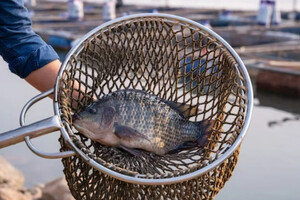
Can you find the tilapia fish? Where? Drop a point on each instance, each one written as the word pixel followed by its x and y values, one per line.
pixel 134 119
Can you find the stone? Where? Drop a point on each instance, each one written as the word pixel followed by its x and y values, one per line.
pixel 10 176
pixel 36 192
pixel 7 193
pixel 57 190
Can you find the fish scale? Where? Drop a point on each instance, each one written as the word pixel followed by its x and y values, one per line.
pixel 141 121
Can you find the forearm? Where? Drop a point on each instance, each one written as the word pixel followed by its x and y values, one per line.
pixel 44 78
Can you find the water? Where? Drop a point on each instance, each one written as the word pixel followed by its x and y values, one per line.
pixel 268 166
pixel 286 55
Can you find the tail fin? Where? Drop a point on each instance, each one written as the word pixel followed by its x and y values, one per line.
pixel 205 130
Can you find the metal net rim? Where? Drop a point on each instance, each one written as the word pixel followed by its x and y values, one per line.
pixel 150 180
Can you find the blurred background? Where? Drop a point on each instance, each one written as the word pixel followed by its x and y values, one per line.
pixel 266 34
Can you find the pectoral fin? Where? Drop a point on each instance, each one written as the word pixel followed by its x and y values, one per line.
pixel 125 132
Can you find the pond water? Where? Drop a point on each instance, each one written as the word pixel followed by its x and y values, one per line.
pixel 269 161
pixel 292 55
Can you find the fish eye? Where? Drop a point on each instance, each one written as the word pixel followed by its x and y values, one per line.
pixel 93 110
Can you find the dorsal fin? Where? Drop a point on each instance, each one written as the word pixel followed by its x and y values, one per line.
pixel 185 110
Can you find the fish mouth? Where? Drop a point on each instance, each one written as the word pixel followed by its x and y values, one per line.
pixel 84 131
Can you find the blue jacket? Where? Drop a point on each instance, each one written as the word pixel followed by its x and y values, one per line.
pixel 20 46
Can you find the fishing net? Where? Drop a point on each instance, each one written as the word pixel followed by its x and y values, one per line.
pixel 176 60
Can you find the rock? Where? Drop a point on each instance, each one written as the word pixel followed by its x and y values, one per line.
pixel 12 186
pixel 57 190
pixel 10 176
pixel 7 193
pixel 36 192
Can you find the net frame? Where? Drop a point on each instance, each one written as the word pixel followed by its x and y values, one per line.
pixel 91 165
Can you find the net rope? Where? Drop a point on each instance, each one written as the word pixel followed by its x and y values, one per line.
pixel 176 61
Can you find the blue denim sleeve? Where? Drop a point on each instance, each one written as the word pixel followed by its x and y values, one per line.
pixel 20 46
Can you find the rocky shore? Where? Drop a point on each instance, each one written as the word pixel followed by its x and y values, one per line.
pixel 12 186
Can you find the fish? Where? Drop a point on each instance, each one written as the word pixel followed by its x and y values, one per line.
pixel 135 120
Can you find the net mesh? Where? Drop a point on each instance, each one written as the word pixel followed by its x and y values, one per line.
pixel 176 61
